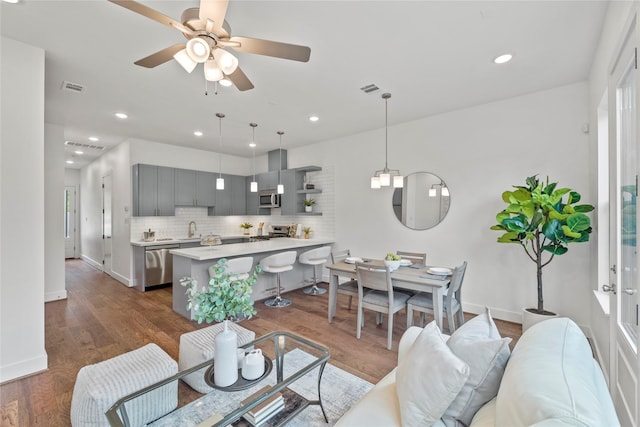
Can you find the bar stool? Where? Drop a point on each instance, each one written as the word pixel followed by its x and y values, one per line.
pixel 278 263
pixel 315 257
pixel 237 268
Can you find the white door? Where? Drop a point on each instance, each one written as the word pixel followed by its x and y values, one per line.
pixel 106 224
pixel 625 151
pixel 69 222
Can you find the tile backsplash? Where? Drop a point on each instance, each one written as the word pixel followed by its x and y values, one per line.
pixel 178 226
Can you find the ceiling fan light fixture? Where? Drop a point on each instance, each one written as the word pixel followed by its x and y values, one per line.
pixel 375 182
pixel 225 82
pixel 185 61
pixel 398 181
pixel 226 61
pixel 212 72
pixel 385 179
pixel 198 49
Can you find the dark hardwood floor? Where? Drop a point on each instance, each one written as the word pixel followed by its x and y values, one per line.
pixel 102 318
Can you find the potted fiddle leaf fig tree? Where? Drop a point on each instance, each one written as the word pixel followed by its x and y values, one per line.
pixel 543 220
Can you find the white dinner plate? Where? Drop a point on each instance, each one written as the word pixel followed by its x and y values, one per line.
pixel 440 271
pixel 352 260
pixel 405 262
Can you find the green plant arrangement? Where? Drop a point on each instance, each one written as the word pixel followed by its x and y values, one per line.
pixel 308 202
pixel 246 225
pixel 306 231
pixel 392 257
pixel 543 219
pixel 224 298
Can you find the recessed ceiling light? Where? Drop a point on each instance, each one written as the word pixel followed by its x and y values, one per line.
pixel 225 82
pixel 197 133
pixel 79 152
pixel 11 1
pixel 314 118
pixel 252 144
pixel 121 115
pixel 70 162
pixel 503 58
pixel 94 138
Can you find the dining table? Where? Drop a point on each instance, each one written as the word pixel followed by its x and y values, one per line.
pixel 411 277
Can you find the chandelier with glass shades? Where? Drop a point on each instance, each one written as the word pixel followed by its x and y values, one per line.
pixel 382 178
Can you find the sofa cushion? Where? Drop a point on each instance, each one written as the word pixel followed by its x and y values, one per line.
pixel 428 378
pixel 479 345
pixel 551 379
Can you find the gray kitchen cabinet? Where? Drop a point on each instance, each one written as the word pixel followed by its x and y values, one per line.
pixel 252 200
pixel 153 190
pixel 231 200
pixel 289 200
pixel 267 180
pixel 194 188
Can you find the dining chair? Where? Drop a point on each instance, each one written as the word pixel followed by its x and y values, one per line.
pixel 350 286
pixel 381 297
pixel 452 301
pixel 415 257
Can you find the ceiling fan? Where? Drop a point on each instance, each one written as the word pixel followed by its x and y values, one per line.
pixel 208 35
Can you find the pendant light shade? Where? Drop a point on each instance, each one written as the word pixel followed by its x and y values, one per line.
pixel 220 180
pixel 382 178
pixel 226 61
pixel 280 188
pixel 198 49
pixel 254 184
pixel 185 61
pixel 212 72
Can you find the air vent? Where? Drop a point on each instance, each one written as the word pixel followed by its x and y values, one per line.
pixel 78 144
pixel 72 87
pixel 370 88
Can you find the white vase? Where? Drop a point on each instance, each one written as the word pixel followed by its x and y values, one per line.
pixel 529 319
pixel 225 357
pixel 308 208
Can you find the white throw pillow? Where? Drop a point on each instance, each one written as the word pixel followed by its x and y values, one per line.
pixel 479 345
pixel 428 378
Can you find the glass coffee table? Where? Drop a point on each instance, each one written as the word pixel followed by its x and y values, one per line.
pixel 293 357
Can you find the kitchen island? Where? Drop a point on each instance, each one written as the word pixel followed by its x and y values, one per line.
pixel 195 263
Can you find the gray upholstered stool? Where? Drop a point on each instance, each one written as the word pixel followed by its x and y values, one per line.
pixel 314 258
pixel 99 386
pixel 199 346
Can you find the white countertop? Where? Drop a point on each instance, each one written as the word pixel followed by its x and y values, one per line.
pixel 239 249
pixel 173 241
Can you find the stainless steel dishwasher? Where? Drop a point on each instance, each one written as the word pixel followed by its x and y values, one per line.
pixel 158 265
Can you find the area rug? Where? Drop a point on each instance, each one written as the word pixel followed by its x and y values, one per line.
pixel 340 390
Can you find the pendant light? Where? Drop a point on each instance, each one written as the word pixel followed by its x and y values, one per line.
pixel 220 180
pixel 280 189
pixel 382 178
pixel 254 183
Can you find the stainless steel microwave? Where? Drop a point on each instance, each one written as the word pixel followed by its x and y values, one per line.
pixel 269 199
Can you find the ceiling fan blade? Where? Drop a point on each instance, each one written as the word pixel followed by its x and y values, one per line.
pixel 271 48
pixel 152 14
pixel 215 10
pixel 160 57
pixel 240 80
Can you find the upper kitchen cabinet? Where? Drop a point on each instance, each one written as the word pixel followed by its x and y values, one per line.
pixel 231 200
pixel 267 180
pixel 194 188
pixel 153 190
pixel 289 200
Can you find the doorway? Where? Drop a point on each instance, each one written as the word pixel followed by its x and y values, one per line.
pixel 70 222
pixel 106 225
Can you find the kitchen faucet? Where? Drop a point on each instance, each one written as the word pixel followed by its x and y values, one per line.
pixel 192 232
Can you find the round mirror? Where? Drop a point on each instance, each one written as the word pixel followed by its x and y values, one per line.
pixel 422 202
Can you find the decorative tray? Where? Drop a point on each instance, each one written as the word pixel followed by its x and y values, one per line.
pixel 241 383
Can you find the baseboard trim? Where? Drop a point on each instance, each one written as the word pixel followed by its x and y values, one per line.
pixel 496 313
pixel 95 264
pixel 122 279
pixel 24 368
pixel 55 296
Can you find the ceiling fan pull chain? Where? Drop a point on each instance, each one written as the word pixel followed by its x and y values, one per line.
pixel 206 87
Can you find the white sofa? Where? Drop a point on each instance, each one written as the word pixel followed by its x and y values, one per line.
pixel 551 379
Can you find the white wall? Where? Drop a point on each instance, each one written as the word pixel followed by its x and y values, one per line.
pixel 54 287
pixel 22 208
pixel 479 152
pixel 114 162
